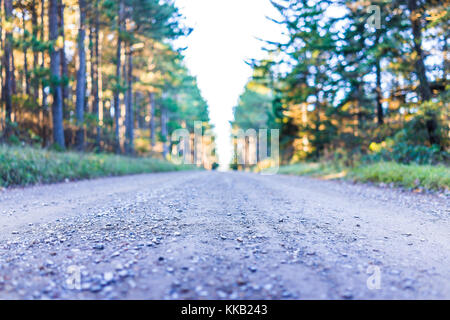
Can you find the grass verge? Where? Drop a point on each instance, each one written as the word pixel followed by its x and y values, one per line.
pixel 410 176
pixel 21 166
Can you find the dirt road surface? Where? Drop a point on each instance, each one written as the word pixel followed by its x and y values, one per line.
pixel 213 235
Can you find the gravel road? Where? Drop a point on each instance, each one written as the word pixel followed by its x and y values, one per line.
pixel 213 235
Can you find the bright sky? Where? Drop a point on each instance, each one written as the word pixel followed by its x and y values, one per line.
pixel 225 35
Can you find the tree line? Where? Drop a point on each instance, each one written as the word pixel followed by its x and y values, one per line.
pixel 95 75
pixel 343 87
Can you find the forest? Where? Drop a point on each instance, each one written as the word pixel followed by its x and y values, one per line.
pixel 332 174
pixel 355 82
pixel 350 83
pixel 97 76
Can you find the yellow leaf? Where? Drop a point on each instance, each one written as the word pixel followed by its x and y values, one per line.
pixel 59 42
pixel 8 26
pixel 315 54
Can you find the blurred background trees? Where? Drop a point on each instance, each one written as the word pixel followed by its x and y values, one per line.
pixel 96 75
pixel 103 75
pixel 342 89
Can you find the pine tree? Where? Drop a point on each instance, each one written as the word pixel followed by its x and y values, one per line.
pixel 55 67
pixel 7 60
pixel 81 78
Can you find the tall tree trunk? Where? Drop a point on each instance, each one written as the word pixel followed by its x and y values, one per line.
pixel 378 90
pixel 380 115
pixel 152 119
pixel 2 87
pixel 45 111
pixel 425 90
pixel 13 71
pixel 118 80
pixel 96 79
pixel 416 25
pixel 129 119
pixel 8 87
pixel 55 71
pixel 25 56
pixel 34 21
pixel 91 67
pixel 164 130
pixel 81 78
pixel 64 68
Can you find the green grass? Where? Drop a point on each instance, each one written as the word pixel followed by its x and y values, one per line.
pixel 21 166
pixel 407 176
pixel 308 169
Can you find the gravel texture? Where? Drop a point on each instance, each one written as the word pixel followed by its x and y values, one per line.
pixel 213 235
